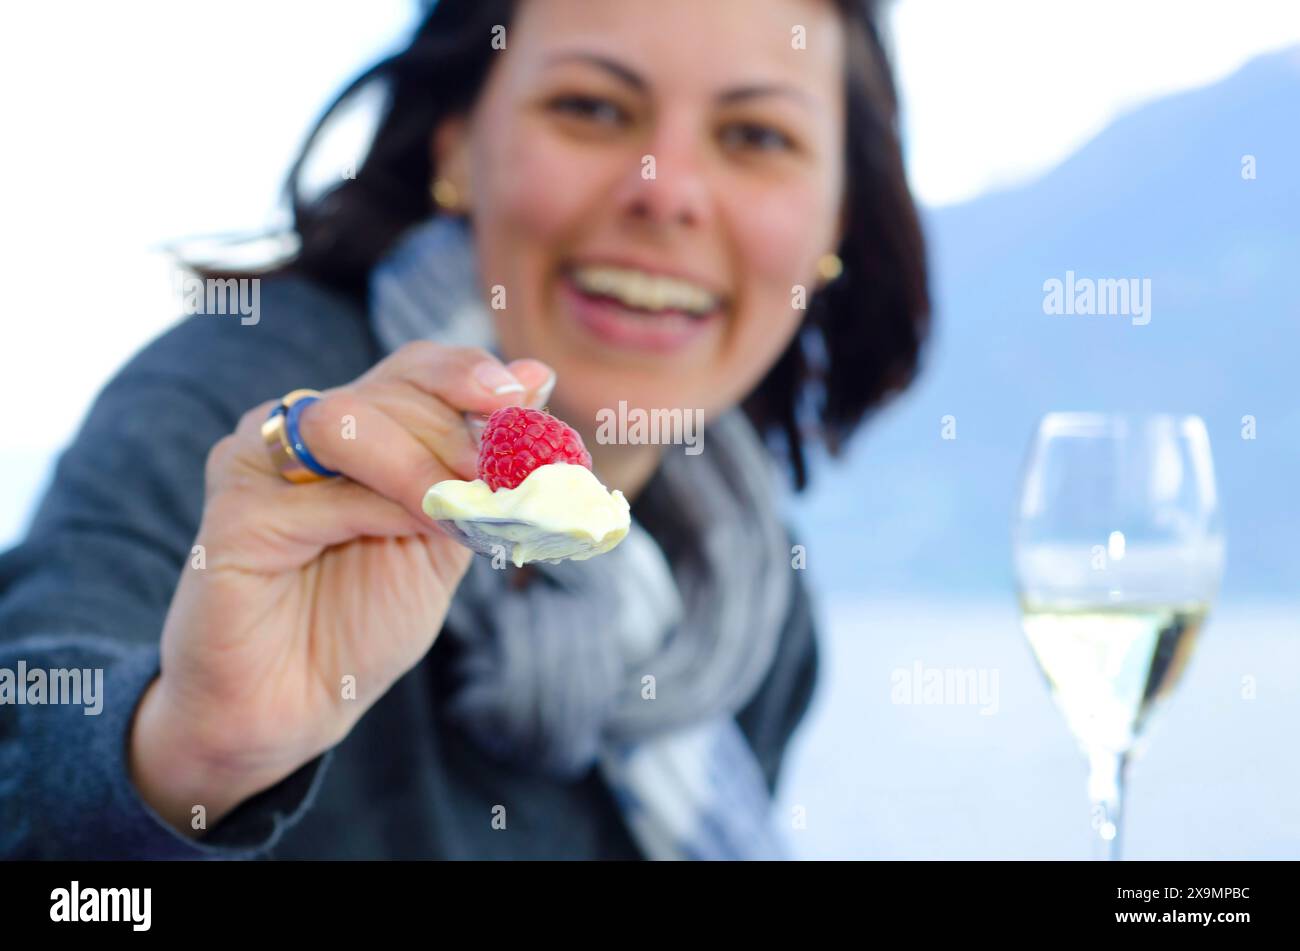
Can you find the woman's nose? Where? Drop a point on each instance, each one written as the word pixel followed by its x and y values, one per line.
pixel 669 186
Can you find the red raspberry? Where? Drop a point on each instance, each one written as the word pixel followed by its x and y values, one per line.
pixel 516 441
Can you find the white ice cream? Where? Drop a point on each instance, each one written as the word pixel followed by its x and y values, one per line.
pixel 559 511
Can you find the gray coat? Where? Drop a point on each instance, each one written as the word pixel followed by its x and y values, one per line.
pixel 90 586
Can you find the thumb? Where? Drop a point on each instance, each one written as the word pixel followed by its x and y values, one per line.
pixel 538 380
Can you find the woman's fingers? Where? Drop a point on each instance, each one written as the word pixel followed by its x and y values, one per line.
pixel 344 432
pixel 393 433
pixel 538 380
pixel 287 526
pixel 465 378
pixel 447 415
pixel 439 428
pixel 257 521
pixel 352 435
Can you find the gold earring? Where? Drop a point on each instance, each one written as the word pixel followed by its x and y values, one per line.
pixel 829 266
pixel 445 195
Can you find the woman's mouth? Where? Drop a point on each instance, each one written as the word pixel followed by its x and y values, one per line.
pixel 635 309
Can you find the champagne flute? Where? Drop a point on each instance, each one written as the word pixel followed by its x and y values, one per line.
pixel 1118 549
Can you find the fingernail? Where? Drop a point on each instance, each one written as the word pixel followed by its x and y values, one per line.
pixel 544 392
pixel 497 378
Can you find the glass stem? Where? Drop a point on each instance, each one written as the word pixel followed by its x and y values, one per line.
pixel 1106 776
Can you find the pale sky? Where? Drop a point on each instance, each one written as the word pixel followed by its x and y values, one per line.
pixel 128 125
pixel 998 90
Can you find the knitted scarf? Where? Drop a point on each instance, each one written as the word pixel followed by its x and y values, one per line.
pixel 636 661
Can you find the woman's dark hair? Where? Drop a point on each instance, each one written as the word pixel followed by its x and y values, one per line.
pixel 862 336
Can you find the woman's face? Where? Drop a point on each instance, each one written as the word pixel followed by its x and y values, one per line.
pixel 648 182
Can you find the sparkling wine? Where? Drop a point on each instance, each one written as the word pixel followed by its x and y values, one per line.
pixel 1108 665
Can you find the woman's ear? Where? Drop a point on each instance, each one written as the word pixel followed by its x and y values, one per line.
pixel 450 153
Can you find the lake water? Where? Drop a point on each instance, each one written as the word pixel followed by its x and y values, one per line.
pixel 876 778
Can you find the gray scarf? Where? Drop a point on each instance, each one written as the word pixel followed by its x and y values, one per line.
pixel 636 660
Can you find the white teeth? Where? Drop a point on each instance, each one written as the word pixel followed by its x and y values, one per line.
pixel 645 291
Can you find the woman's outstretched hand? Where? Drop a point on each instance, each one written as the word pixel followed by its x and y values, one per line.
pixel 313 599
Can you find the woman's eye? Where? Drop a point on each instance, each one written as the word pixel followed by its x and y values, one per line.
pixel 755 136
pixel 590 108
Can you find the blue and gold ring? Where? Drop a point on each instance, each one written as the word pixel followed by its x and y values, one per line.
pixel 289 454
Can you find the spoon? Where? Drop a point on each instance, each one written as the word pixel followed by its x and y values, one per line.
pixel 492 536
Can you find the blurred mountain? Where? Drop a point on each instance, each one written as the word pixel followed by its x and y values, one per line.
pixel 1159 194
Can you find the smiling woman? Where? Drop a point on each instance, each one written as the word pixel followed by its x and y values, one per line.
pixel 682 210
pixel 771 136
